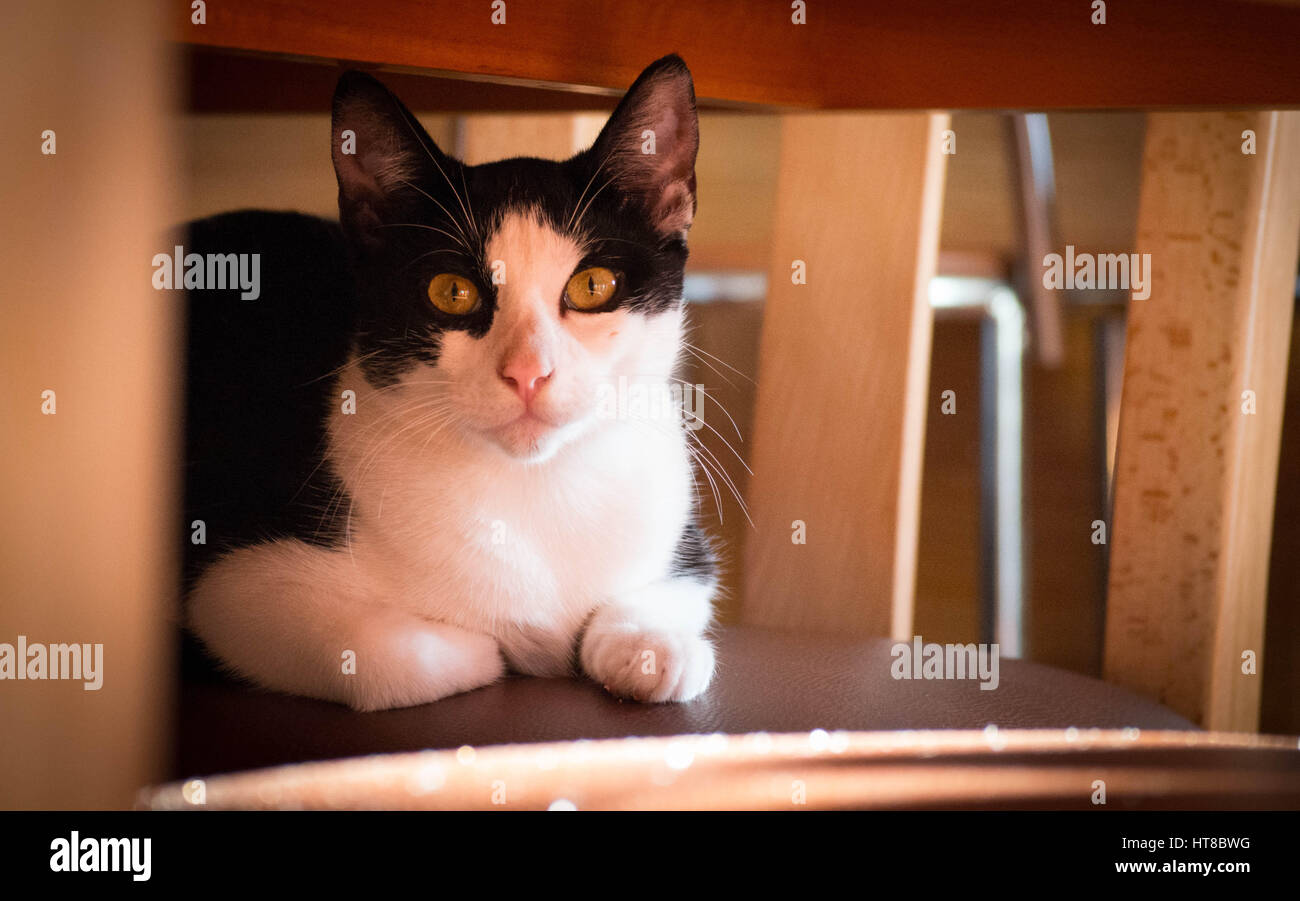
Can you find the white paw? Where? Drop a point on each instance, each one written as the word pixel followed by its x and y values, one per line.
pixel 647 664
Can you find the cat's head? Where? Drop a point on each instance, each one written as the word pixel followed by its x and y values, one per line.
pixel 507 294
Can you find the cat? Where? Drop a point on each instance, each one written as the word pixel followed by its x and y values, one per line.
pixel 397 458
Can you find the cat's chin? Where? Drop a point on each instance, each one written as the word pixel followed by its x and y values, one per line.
pixel 530 439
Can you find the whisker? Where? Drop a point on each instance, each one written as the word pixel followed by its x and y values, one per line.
pixel 701 421
pixel 339 370
pixel 714 398
pixel 441 231
pixel 437 164
pixel 371 453
pixel 724 475
pixel 694 455
pixel 469 202
pixel 592 199
pixel 429 254
pixel 722 361
pixel 446 212
pixel 708 365
pixel 572 216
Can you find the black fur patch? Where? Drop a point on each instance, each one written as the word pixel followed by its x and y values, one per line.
pixel 257 398
pixel 694 557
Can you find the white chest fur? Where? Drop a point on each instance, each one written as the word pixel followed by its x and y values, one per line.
pixel 459 533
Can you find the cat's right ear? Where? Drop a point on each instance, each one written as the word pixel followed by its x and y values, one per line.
pixel 380 152
pixel 649 144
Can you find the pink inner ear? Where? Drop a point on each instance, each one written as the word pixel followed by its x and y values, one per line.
pixel 667 179
pixel 384 147
pixel 353 173
pixel 676 208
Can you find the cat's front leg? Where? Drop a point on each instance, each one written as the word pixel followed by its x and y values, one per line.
pixel 301 619
pixel 650 644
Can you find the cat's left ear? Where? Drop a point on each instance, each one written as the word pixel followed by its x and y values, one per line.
pixel 649 144
pixel 380 151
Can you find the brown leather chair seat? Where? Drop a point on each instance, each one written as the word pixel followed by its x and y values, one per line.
pixel 766 681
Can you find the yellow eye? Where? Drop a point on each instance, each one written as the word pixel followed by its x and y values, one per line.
pixel 591 288
pixel 453 294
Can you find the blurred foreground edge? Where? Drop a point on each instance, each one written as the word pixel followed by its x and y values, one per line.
pixel 1057 769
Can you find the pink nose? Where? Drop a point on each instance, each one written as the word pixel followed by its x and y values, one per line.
pixel 526 375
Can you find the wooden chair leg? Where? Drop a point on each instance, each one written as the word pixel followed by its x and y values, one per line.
pixel 1204 382
pixel 844 366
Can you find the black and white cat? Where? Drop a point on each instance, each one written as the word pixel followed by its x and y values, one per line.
pixel 398 452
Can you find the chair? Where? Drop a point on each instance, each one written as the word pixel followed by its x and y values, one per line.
pixel 807 666
pixel 1193 497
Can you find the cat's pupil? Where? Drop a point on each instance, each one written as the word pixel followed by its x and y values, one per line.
pixel 591 285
